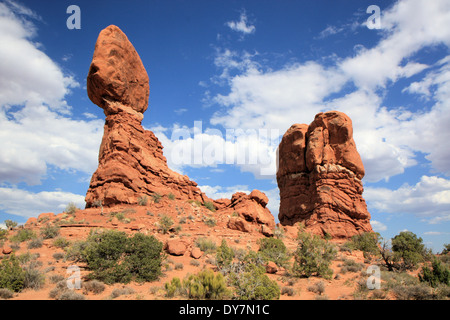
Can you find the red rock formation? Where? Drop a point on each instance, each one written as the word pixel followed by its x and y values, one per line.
pixel 249 210
pixel 319 177
pixel 131 160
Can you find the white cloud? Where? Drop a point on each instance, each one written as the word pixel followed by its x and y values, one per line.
pixel 242 25
pixel 28 204
pixel 251 150
pixel 428 199
pixel 42 138
pixel 35 129
pixel 378 226
pixel 28 75
pixel 388 138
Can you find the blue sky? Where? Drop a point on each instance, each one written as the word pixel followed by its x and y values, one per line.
pixel 217 67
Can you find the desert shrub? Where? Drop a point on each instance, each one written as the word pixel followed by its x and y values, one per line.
pixel 413 292
pixel 6 293
pixel 93 286
pixel 75 251
pixel 254 284
pixel 313 256
pixel 23 235
pixel 61 242
pixel 113 257
pixel 288 291
pixel 10 224
pixel 12 276
pixel 210 221
pixel 179 266
pixel 173 287
pixel 121 292
pixel 351 266
pixel 171 196
pixel 206 285
pixel 278 232
pixel 71 295
pixel 3 234
pixel 33 279
pixel 54 278
pixel 446 249
pixel 318 288
pixel 210 206
pixel 206 245
pixel 144 257
pixel 49 231
pixel 438 274
pixel 156 197
pixel 142 201
pixel 165 223
pixel 408 248
pixel 194 263
pixel 58 256
pixel 224 255
pixel 71 208
pixel 35 243
pixel 274 250
pixel 366 242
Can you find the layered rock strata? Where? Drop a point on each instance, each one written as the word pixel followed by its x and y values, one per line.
pixel 319 177
pixel 131 161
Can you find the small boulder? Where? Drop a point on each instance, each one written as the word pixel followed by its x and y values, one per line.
pixel 176 247
pixel 6 249
pixel 196 253
pixel 271 267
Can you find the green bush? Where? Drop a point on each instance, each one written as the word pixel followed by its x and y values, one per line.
pixel 10 224
pixel 165 223
pixel 210 206
pixel 113 257
pixel 409 248
pixel 439 273
pixel 23 235
pixel 173 287
pixel 156 197
pixel 254 284
pixel 366 242
pixel 206 285
pixel 313 256
pixel 274 250
pixel 206 245
pixel 224 255
pixel 12 276
pixel 49 231
pixel 71 208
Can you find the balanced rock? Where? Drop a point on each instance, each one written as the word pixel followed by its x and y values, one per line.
pixel 319 177
pixel 131 161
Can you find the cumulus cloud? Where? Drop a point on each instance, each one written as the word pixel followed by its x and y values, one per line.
pixel 428 199
pixel 242 25
pixel 35 125
pixel 252 150
pixel 388 137
pixel 28 204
